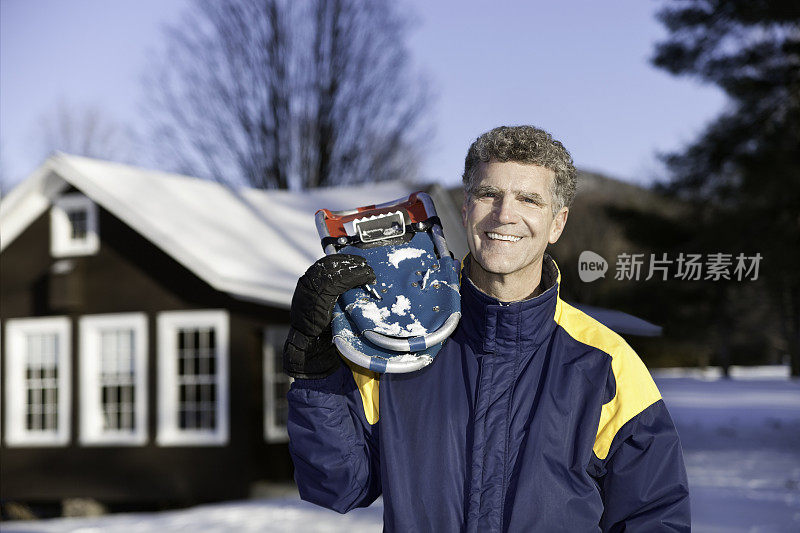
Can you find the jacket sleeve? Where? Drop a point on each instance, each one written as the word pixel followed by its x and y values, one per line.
pixel 643 479
pixel 333 446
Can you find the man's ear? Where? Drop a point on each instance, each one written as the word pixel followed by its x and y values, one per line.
pixel 557 226
pixel 464 210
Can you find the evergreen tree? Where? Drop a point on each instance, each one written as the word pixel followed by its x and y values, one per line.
pixel 743 171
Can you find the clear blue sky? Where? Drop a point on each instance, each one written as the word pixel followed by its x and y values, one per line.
pixel 576 68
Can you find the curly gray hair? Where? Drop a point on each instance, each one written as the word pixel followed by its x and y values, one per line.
pixel 524 144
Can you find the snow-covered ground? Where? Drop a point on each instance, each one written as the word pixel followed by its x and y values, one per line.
pixel 741 441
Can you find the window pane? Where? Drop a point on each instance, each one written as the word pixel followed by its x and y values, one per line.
pixel 126 420
pixel 41 382
pixel 281 415
pixel 51 409
pixel 196 339
pixel 117 379
pixel 277 362
pixel 275 381
pixel 78 222
pixel 197 375
pixel 108 420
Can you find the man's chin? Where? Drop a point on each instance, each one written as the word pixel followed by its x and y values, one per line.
pixel 495 265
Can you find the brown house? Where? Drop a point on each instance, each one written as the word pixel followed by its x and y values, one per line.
pixel 142 318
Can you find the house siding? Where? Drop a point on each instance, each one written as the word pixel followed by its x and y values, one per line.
pixel 130 274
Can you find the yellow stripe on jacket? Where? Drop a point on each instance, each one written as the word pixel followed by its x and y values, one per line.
pixel 368 383
pixel 635 388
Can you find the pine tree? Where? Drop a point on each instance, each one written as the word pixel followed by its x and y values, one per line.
pixel 743 171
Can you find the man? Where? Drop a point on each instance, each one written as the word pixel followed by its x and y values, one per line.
pixel 533 417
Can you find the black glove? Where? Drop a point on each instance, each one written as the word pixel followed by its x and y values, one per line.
pixel 309 352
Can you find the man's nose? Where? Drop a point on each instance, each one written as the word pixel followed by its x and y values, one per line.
pixel 504 210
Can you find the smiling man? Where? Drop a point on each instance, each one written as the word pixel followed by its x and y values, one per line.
pixel 510 217
pixel 533 417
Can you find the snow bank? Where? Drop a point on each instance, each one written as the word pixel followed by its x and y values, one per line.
pixel 262 516
pixel 713 373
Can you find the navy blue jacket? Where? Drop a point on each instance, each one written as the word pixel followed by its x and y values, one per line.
pixel 533 417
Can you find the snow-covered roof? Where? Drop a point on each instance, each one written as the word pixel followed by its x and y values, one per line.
pixel 250 243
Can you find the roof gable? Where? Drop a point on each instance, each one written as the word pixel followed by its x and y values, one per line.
pixel 251 243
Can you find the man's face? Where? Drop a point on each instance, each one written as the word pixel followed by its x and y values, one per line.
pixel 509 219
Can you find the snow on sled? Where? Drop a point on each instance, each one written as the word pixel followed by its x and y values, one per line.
pixel 399 323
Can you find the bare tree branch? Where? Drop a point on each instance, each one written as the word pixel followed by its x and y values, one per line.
pixel 280 94
pixel 82 130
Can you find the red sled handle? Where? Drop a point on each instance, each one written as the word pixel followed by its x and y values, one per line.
pixel 418 206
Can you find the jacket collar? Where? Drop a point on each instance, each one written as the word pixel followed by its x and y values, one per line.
pixel 487 322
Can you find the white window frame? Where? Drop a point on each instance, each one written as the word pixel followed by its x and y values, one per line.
pixel 91 408
pixel 16 433
pixel 169 432
pixel 61 242
pixel 274 337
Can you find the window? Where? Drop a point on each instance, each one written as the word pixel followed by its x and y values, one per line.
pixel 276 385
pixel 73 226
pixel 193 378
pixel 78 220
pixel 38 376
pixel 113 390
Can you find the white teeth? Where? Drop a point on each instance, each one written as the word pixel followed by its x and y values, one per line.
pixel 501 237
